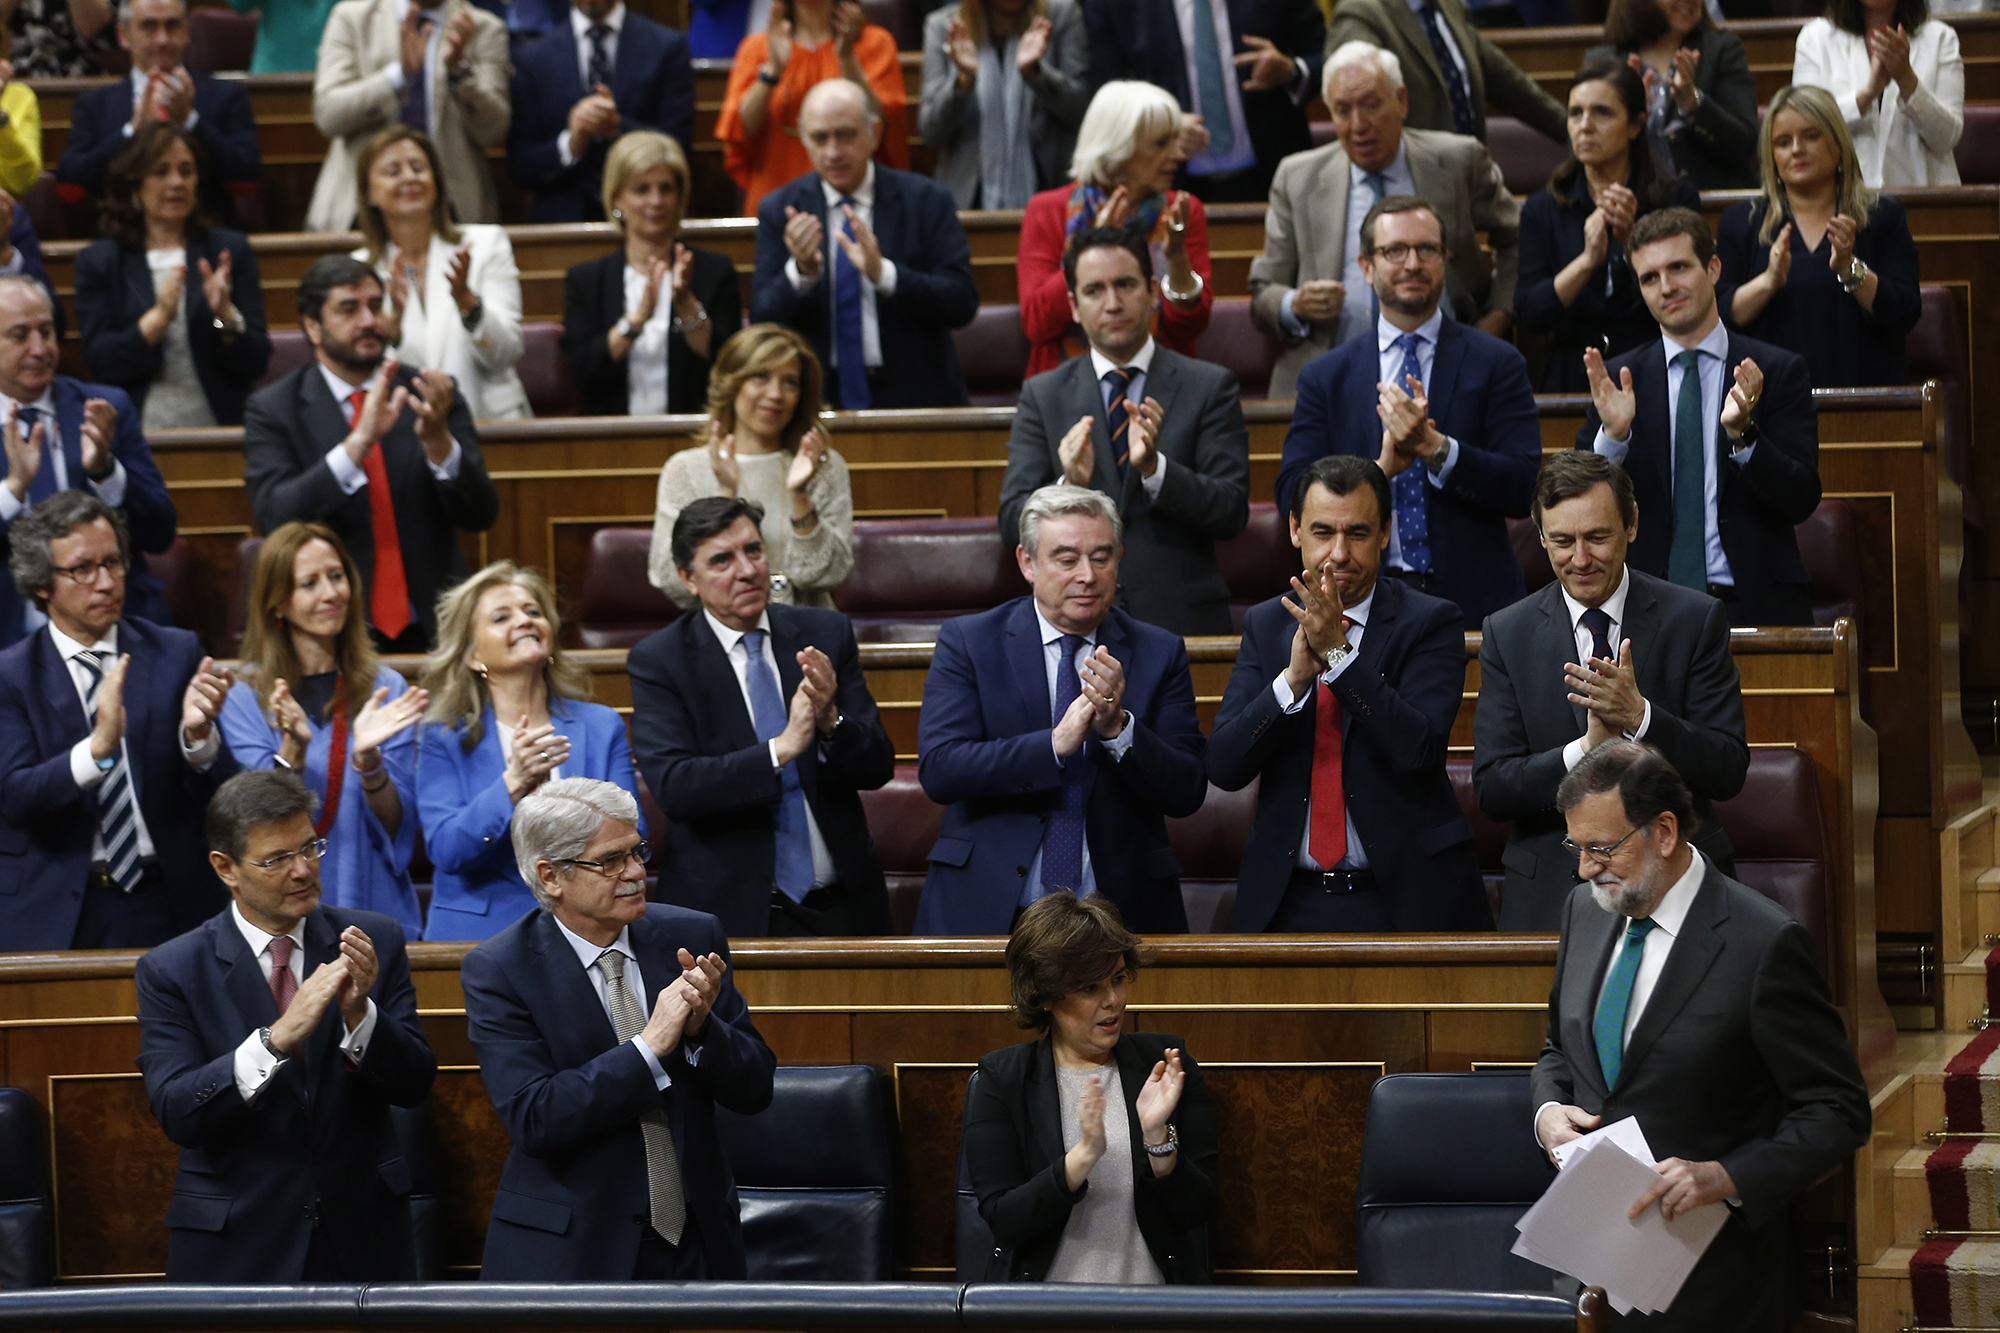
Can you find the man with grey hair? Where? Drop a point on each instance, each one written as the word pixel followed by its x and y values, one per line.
pixel 1067 787
pixel 608 1030
pixel 1307 287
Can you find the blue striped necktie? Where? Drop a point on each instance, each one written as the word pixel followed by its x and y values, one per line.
pixel 117 817
pixel 1616 1002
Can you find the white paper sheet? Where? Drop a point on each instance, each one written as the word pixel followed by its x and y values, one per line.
pixel 1625 1133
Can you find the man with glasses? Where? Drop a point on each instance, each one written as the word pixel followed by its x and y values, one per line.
pixel 1603 652
pixel 1695 1005
pixel 1446 410
pixel 274 1039
pixel 608 1031
pixel 109 750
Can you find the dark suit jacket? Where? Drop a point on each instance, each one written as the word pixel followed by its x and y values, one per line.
pixel 148 509
pixel 1398 697
pixel 698 748
pixel 571 1094
pixel 594 300
pixel 917 225
pixel 1760 504
pixel 317 1142
pixel 651 80
pixel 114 288
pixel 1480 396
pixel 1014 1151
pixel 289 426
pixel 224 127
pixel 21 235
pixel 1168 576
pixel 1739 1057
pixel 1717 148
pixel 1496 80
pixel 984 751
pixel 1680 652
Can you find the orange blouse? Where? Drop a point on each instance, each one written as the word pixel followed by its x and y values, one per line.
pixel 763 162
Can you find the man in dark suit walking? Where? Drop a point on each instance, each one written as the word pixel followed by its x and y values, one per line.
pixel 766 830
pixel 1603 652
pixel 1161 433
pixel 108 748
pixel 1446 410
pixel 1061 733
pixel 604 72
pixel 384 455
pixel 1726 460
pixel 608 1031
pixel 1694 1004
pixel 1342 700
pixel 868 262
pixel 276 1015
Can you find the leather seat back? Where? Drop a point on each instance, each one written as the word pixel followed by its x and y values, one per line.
pixel 1830 545
pixel 616 605
pixel 975 1238
pixel 1489 840
pixel 1782 849
pixel 27 1203
pixel 289 351
pixel 544 373
pixel 1258 562
pixel 1527 157
pixel 239 594
pixel 1232 340
pixel 993 353
pixel 1978 150
pixel 1209 845
pixel 904 823
pixel 1937 350
pixel 418 1140
pixel 913 574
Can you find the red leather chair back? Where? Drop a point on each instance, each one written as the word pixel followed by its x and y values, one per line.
pixel 219 38
pixel 1830 546
pixel 616 606
pixel 1232 340
pixel 904 824
pixel 912 574
pixel 44 205
pixel 1489 839
pixel 1322 132
pixel 1782 849
pixel 544 373
pixel 993 353
pixel 1978 151
pixel 1209 845
pixel 1526 155
pixel 289 351
pixel 1259 561
pixel 1536 571
pixel 1938 350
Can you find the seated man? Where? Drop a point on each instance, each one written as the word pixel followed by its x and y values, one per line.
pixel 1455 72
pixel 766 829
pixel 1342 700
pixel 275 1013
pixel 1069 786
pixel 1648 660
pixel 1300 286
pixel 1728 462
pixel 1181 479
pixel 605 71
pixel 899 263
pixel 1446 410
pixel 608 1030
pixel 108 748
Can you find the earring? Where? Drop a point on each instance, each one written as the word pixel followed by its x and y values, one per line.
pixel 617 215
pixel 479 669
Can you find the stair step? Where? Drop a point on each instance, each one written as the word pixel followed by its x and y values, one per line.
pixel 1883 1293
pixel 1913 1197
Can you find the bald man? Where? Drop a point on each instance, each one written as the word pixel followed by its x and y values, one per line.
pixel 869 263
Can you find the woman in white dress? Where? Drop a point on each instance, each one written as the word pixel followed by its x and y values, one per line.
pixel 1896 74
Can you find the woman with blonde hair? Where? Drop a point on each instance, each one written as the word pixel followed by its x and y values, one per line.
pixel 766 443
pixel 1006 83
pixel 641 325
pixel 313 697
pixel 452 292
pixel 1127 153
pixel 507 714
pixel 1821 264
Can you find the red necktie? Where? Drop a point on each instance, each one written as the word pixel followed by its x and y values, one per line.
pixel 389 592
pixel 283 984
pixel 1327 839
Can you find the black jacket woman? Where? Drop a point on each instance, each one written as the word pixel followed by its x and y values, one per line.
pixel 1700 91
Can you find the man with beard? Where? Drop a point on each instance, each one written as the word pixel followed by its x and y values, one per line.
pixel 1446 410
pixel 1693 1004
pixel 384 455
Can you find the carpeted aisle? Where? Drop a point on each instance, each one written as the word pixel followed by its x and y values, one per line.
pixel 1955 1283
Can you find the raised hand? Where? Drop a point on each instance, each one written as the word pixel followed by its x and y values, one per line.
pixel 1142 434
pixel 808 461
pixel 143 106
pixel 1597 237
pixel 288 719
pixel 1890 48
pixel 1070 733
pixel 806 239
pixel 1161 1094
pixel 801 720
pixel 1117 210
pixel 862 249
pixel 175 98
pixel 430 397
pixel 1269 67
pixel 848 19
pixel 1194 136
pixel 536 753
pixel 202 703
pixel 1620 208
pixel 379 411
pixel 24 454
pixel 722 460
pixel 778 46
pixel 216 290
pixel 1680 82
pixel 1315 605
pixel 94 437
pixel 704 980
pixel 1076 452
pixel 1089 1149
pixel 1322 298
pixel 297 1024
pixel 816 670
pixel 458 272
pixel 672 1009
pixel 411 42
pixel 1779 266
pixel 1609 690
pixel 1177 224
pixel 964 54
pixel 1743 395
pixel 457 32
pixel 382 719
pixel 1840 231
pixel 1615 401
pixel 1034 44
pixel 167 287
pixel 1103 683
pixel 109 731
pixel 358 952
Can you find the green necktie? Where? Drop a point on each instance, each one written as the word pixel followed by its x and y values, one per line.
pixel 1616 1002
pixel 1687 560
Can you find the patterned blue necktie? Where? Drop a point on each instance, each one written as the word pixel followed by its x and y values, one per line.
pixel 847 321
pixel 1062 843
pixel 44 484
pixel 1118 416
pixel 1209 85
pixel 1413 527
pixel 1687 557
pixel 600 56
pixel 1462 118
pixel 1598 621
pixel 794 867
pixel 416 93
pixel 117 818
pixel 1616 1002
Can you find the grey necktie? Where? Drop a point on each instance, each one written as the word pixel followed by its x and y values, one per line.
pixel 663 1168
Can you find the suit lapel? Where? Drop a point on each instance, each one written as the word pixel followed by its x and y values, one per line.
pixel 1641 629
pixel 1416 39
pixel 1164 385
pixel 59 690
pixel 242 979
pixel 659 965
pixel 69 425
pixel 1024 656
pixel 712 668
pixel 1694 953
pixel 322 946
pixel 1555 645
pixel 571 992
pixel 1655 414
pixel 1595 936
pixel 1444 372
pixel 786 644
pixel 1045 1101
pixel 1333 188
pixel 570 88
pixel 325 419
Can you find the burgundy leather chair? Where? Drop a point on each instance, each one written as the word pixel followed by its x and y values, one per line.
pixel 1526 538
pixel 1322 132
pixel 904 823
pixel 1489 840
pixel 1830 546
pixel 1526 155
pixel 993 353
pixel 219 38
pixel 44 204
pixel 544 373
pixel 1937 350
pixel 1258 562
pixel 289 351
pixel 616 606
pixel 239 594
pixel 1232 340
pixel 1978 150
pixel 1209 845
pixel 913 574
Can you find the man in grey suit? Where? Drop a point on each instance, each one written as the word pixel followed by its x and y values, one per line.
pixel 1693 1004
pixel 1451 93
pixel 1160 433
pixel 1300 286
pixel 1603 652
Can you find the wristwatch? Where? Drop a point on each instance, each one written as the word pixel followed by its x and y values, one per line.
pixel 240 324
pixel 264 1035
pixel 1167 1149
pixel 623 328
pixel 1335 656
pixel 1857 273
pixel 1748 437
pixel 766 77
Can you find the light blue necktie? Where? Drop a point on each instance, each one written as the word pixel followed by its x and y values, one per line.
pixel 1209 76
pixel 794 866
pixel 1413 527
pixel 1687 558
pixel 847 320
pixel 1616 1002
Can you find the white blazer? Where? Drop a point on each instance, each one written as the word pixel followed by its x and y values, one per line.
pixel 482 361
pixel 1900 143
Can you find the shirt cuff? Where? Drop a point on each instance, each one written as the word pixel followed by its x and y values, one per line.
pixel 1151 485
pixel 82 767
pixel 1645 723
pixel 200 756
pixel 1301 90
pixel 254 1066
pixel 1442 473
pixel 1281 690
pixel 1572 754
pixel 447 470
pixel 886 284
pixel 345 470
pixel 772 745
pixel 660 1079
pixel 112 489
pixel 1535 1125
pixel 10 508
pixel 193 119
pixel 356 1044
pixel 800 283
pixel 563 150
pixel 1615 450
pixel 126 129
pixel 1122 742
pixel 16 261
pixel 1741 457
pixel 394 73
pixel 1292 324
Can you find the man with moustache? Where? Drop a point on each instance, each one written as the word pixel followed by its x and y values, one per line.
pixel 384 455
pixel 1693 1004
pixel 1603 652
pixel 1342 701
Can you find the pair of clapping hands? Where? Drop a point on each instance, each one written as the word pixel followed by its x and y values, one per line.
pixel 1156 1103
pixel 201 704
pixel 681 1010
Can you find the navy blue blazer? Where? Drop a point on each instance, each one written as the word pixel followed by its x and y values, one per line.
pixel 47 821
pixel 148 509
pixel 917 225
pixel 114 287
pixel 1399 697
pixel 652 81
pixel 571 1094
pixel 317 1147
pixel 984 752
pixel 1480 396
pixel 224 127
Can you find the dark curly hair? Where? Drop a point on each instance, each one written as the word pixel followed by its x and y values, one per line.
pixel 119 215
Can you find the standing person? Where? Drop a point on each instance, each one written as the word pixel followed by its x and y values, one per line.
pixel 278 1011
pixel 1896 74
pixel 314 699
pixel 1454 72
pixel 1821 263
pixel 1701 98
pixel 1005 86
pixel 288 33
pixel 20 134
pixel 58 39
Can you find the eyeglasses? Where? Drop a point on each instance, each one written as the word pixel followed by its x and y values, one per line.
pixel 310 853
pixel 1598 852
pixel 613 866
pixel 1427 251
pixel 86 573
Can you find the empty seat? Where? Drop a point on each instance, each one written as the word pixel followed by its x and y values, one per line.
pixel 289 351
pixel 993 353
pixel 904 823
pixel 1782 850
pixel 1830 546
pixel 913 574
pixel 1232 340
pixel 1489 840
pixel 239 594
pixel 544 373
pixel 1526 155
pixel 975 1239
pixel 1937 350
pixel 27 1202
pixel 219 38
pixel 615 605
pixel 44 205
pixel 1258 562
pixel 1209 845
pixel 1978 150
